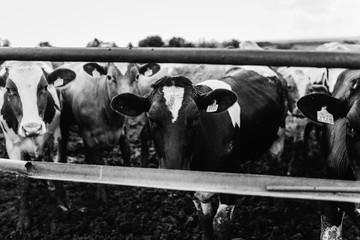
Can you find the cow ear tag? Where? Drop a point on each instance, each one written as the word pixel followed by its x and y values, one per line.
pixel 324 116
pixel 59 82
pixel 213 107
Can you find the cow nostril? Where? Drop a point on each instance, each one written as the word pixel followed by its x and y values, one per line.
pixel 32 129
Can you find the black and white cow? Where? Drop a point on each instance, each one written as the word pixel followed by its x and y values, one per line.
pixel 30 116
pixel 340 115
pixel 212 126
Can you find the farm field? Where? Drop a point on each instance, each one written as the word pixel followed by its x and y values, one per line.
pixel 142 213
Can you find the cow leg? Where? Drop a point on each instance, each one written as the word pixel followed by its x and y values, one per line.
pixel 92 157
pixel 206 214
pixel 145 139
pixel 331 221
pixel 23 223
pixel 204 208
pixel 222 220
pixel 63 140
pixel 54 143
pixel 125 147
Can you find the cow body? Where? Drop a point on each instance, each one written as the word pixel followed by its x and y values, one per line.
pixel 30 116
pixel 340 143
pixel 212 126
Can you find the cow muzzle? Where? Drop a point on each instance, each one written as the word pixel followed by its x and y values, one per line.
pixel 32 129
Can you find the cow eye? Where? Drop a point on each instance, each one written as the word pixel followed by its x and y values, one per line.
pixel 11 91
pixel 42 89
pixel 195 122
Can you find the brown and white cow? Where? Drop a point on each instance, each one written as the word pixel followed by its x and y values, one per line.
pixel 30 116
pixel 212 126
pixel 86 103
pixel 340 115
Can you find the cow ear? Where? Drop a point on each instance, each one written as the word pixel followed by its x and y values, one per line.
pixel 3 77
pixel 130 104
pixel 94 69
pixel 149 69
pixel 61 76
pixel 316 106
pixel 216 101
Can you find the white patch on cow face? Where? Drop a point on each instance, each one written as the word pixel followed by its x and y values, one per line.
pixel 206 208
pixel 173 97
pixel 26 80
pixel 226 208
pixel 235 110
pixel 333 232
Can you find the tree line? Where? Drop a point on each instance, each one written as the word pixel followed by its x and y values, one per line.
pixel 156 41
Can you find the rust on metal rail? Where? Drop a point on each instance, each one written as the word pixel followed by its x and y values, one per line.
pixel 187 55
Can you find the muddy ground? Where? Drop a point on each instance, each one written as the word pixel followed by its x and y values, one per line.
pixel 142 213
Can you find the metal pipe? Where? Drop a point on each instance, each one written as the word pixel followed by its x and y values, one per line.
pixel 229 183
pixel 188 55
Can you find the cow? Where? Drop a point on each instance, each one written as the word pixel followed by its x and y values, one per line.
pixel 86 103
pixel 198 72
pixel 339 115
pixel 332 74
pixel 213 126
pixel 30 117
pixel 98 43
pixel 201 72
pixel 307 80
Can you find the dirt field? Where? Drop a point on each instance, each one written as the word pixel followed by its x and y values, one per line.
pixel 140 213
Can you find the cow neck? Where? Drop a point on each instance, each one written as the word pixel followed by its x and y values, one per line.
pixel 104 94
pixel 9 132
pixel 337 156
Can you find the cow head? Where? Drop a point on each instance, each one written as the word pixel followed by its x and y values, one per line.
pixel 28 101
pixel 173 107
pixel 344 104
pixel 298 84
pixel 117 82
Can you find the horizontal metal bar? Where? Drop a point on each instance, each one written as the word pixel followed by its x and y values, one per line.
pixel 229 183
pixel 342 189
pixel 188 55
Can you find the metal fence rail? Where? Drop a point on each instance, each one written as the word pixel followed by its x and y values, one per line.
pixel 188 55
pixel 239 184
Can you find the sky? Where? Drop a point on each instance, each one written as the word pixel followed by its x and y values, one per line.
pixel 73 23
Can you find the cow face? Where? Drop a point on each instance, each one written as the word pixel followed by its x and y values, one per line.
pixel 28 101
pixel 116 82
pixel 298 84
pixel 173 108
pixel 135 72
